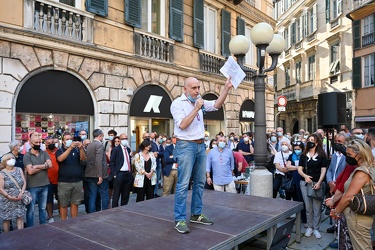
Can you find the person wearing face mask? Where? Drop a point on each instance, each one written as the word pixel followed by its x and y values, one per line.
pixel 37 162
pixel 280 137
pixel 358 133
pixel 359 225
pixel 246 147
pixel 16 149
pixel 96 172
pixel 83 135
pixel 207 139
pixel 11 206
pixel 280 160
pixel 52 175
pixel 145 178
pixel 312 168
pixel 121 171
pixel 114 143
pixel 107 145
pixel 272 143
pixel 170 170
pixel 72 159
pixel 292 166
pixel 221 161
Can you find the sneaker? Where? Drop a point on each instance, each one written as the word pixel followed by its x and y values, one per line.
pixel 51 220
pixel 181 227
pixel 308 232
pixel 202 219
pixel 317 234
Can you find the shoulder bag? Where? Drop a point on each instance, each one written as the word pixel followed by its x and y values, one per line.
pixel 287 181
pixel 26 197
pixel 314 193
pixel 363 203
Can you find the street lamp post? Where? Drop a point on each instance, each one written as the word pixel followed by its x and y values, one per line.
pixel 264 39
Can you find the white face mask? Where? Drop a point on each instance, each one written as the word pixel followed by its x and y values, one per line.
pixel 56 145
pixel 246 139
pixel 284 148
pixel 214 145
pixel 124 143
pixel 11 162
pixel 20 150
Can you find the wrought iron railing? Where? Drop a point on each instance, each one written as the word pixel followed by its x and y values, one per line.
pixel 368 39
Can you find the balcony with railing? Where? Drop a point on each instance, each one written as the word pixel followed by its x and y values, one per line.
pixel 335 22
pixel 368 39
pixel 306 90
pixel 153 46
pixel 210 62
pixel 58 20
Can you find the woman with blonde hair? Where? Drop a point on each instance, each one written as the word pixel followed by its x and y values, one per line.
pixel 359 225
pixel 11 206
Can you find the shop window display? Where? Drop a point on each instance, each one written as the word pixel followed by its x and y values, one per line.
pixel 49 125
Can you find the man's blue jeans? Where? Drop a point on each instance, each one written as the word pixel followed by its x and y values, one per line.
pixel 39 194
pixel 94 188
pixel 191 159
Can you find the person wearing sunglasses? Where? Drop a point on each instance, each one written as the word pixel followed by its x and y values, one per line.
pixel 362 178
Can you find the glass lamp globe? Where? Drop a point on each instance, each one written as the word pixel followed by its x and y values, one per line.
pixel 262 33
pixel 239 45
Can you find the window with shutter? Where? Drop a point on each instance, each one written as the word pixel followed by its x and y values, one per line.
pixel 240 26
pixel 176 20
pixel 357 34
pixel 99 7
pixel 357 73
pixel 198 16
pixel 133 13
pixel 225 32
pixel 293 36
pixel 328 11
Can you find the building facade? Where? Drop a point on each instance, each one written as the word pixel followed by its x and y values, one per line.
pixel 68 65
pixel 363 20
pixel 317 59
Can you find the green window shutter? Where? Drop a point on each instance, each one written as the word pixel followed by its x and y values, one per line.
pixel 357 73
pixel 99 7
pixel 225 32
pixel 198 16
pixel 133 13
pixel 357 34
pixel 328 11
pixel 240 26
pixel 176 15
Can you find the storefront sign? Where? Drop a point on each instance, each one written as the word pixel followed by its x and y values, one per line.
pixel 151 101
pixel 247 111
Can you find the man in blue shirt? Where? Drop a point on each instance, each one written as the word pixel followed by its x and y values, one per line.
pixel 221 160
pixel 246 147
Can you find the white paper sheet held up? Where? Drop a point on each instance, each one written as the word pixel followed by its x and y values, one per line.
pixel 233 70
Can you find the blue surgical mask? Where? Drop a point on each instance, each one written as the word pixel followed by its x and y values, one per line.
pixel 273 138
pixel 206 138
pixel 68 143
pixel 160 141
pixel 221 144
pixel 110 137
pixel 298 152
pixel 360 136
pixel 192 99
pixel 83 137
pixel 279 134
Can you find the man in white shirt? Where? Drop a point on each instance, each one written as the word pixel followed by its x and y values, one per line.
pixel 190 151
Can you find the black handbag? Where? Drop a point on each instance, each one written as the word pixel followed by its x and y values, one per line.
pixel 363 203
pixel 287 183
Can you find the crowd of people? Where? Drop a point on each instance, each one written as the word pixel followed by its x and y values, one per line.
pixel 102 173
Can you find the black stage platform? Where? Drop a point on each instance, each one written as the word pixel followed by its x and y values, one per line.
pixel 149 225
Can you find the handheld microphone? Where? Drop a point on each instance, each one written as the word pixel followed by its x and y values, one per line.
pixel 202 108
